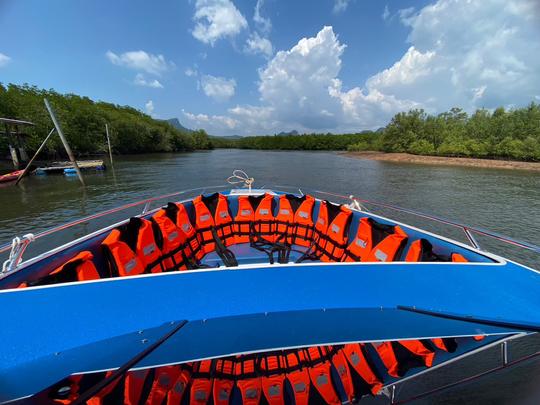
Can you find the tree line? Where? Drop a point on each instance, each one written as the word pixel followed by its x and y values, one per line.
pixel 507 134
pixel 83 122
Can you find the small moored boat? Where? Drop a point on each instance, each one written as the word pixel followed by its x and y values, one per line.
pixel 12 176
pixel 247 296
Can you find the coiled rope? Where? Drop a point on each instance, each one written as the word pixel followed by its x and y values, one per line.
pixel 241 177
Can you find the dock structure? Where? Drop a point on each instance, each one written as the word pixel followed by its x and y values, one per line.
pixel 13 130
pixel 59 167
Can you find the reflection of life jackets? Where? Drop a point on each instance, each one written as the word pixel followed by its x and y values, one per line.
pixel 248 382
pixel 132 249
pixel 134 386
pixel 164 379
pixel 339 362
pixel 98 399
pixel 78 268
pixel 178 213
pixel 264 221
pixel 370 382
pixel 399 357
pixel 74 384
pixel 298 377
pixel 332 230
pixel 223 381
pixel 201 384
pixel 294 221
pixel 320 375
pixel 421 250
pixel 375 242
pixel 178 390
pixel 172 241
pixel 272 379
pixel 212 212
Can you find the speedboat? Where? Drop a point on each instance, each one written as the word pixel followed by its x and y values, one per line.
pixel 243 295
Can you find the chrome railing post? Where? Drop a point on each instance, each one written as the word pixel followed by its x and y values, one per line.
pixel 471 238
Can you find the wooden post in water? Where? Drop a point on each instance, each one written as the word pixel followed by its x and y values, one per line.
pixel 109 143
pixel 64 140
pixel 33 157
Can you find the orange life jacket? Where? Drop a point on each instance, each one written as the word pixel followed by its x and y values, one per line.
pixel 332 229
pixel 122 259
pixel 421 250
pixel 354 353
pixel 74 384
pixel 447 344
pixel 273 379
pixel 399 357
pixel 172 242
pixel 134 386
pixel 294 221
pixel 98 399
pixel 320 375
pixel 375 242
pixel 201 384
pixel 78 268
pixel 212 212
pixel 193 249
pixel 340 364
pixel 264 221
pixel 175 395
pixel 298 376
pixel 223 381
pixel 248 382
pixel 243 220
pixel 164 380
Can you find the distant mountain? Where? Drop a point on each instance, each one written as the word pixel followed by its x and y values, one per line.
pixel 175 122
pixel 294 132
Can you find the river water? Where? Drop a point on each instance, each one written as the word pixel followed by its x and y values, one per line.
pixel 505 201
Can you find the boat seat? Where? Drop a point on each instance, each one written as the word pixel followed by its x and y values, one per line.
pixel 245 254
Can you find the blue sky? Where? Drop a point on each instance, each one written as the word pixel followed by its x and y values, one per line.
pixel 254 67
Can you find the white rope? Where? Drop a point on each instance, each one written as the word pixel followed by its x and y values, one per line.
pixel 241 177
pixel 18 247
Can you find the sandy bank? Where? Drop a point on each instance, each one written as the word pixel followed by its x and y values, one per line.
pixel 448 161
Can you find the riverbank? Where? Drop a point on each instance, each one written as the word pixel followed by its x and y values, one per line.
pixel 447 161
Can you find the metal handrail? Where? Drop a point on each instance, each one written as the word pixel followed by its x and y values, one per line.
pixel 468 230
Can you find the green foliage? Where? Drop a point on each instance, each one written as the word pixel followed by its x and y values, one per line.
pixel 83 122
pixel 421 147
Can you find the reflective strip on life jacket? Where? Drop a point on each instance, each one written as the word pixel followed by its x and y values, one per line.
pixel 400 357
pixel 243 219
pixel 173 240
pixel 201 383
pixel 263 224
pixel 134 385
pixel 164 379
pixel 299 378
pixel 375 242
pixel 332 230
pixel 356 358
pixel 340 364
pixel 175 395
pixel 320 375
pixel 248 382
pixel 122 258
pixel 272 379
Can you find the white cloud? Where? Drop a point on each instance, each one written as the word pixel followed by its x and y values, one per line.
pixel 140 80
pixel 255 44
pixel 218 88
pixel 149 106
pixel 189 72
pixel 211 123
pixel 340 5
pixel 386 13
pixel 462 53
pixel 216 19
pixel 264 24
pixel 141 61
pixel 4 59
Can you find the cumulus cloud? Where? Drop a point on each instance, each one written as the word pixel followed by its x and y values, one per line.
pixel 386 13
pixel 189 72
pixel 212 123
pixel 218 88
pixel 215 19
pixel 264 24
pixel 461 53
pixel 149 107
pixel 255 44
pixel 140 80
pixel 340 5
pixel 141 61
pixel 4 59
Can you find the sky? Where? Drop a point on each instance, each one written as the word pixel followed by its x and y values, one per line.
pixel 248 67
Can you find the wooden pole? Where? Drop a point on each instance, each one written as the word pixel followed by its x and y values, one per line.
pixel 64 140
pixel 33 157
pixel 109 143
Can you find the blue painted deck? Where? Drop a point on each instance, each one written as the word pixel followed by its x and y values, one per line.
pixel 94 325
